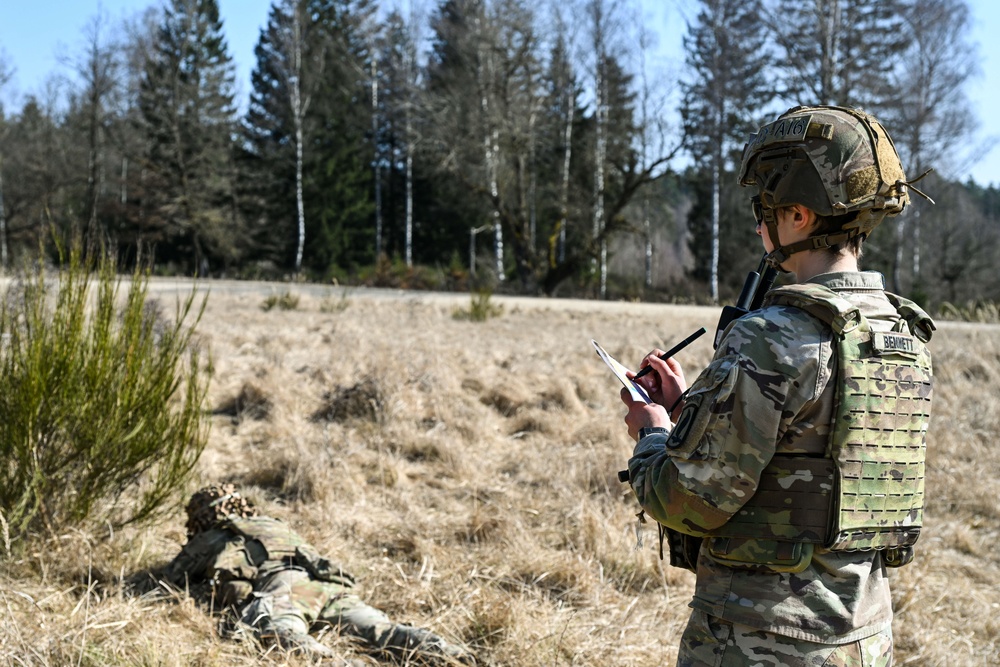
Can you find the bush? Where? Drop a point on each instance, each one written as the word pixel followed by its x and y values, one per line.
pixel 480 308
pixel 101 402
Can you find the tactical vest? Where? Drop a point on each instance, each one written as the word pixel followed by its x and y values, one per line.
pixel 867 491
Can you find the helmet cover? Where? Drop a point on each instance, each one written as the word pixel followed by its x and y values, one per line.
pixel 832 160
pixel 214 504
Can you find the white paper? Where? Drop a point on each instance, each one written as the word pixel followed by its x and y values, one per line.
pixel 636 390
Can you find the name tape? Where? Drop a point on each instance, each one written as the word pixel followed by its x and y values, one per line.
pixel 894 343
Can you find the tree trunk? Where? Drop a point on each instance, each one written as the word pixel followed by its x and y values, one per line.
pixel 409 202
pixel 599 156
pixel 295 90
pixel 831 47
pixel 375 162
pixel 897 262
pixel 490 148
pixel 716 178
pixel 647 235
pixel 567 154
pixel 408 120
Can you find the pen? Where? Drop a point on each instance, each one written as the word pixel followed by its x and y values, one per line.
pixel 672 351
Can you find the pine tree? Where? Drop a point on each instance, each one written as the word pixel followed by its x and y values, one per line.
pixel 5 75
pixel 460 124
pixel 38 151
pixel 726 89
pixel 186 100
pixel 339 187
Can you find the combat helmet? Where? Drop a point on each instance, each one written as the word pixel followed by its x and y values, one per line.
pixel 213 504
pixel 832 160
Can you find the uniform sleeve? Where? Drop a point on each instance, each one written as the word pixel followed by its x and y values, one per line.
pixel 195 561
pixel 735 413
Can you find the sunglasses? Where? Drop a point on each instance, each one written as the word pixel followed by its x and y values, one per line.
pixel 758 210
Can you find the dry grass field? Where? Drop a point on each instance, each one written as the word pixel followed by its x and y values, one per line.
pixel 466 473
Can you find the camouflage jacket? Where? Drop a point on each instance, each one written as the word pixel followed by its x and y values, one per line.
pixel 249 550
pixel 768 391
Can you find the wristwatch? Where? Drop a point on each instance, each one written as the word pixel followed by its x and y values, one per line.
pixel 650 430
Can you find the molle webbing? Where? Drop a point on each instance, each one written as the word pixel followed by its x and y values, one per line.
pixel 867 493
pixel 792 502
pixel 879 439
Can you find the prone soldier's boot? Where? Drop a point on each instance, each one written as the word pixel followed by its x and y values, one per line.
pixel 294 641
pixel 417 643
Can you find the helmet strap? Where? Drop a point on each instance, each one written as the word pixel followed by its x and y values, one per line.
pixel 778 255
pixel 781 253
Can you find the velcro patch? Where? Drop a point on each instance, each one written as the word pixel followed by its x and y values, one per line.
pixel 783 130
pixel 895 343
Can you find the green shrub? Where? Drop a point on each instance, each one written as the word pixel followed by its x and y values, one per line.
pixel 101 399
pixel 284 301
pixel 480 308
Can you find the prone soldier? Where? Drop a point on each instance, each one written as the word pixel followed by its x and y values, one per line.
pixel 281 587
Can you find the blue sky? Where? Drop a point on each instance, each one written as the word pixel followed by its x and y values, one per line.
pixel 37 36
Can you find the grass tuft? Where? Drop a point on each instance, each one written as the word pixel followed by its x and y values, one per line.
pixel 284 301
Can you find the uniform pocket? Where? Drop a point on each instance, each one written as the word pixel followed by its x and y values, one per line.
pixel 704 640
pixel 757 554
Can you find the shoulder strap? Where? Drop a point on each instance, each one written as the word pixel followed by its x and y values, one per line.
pixel 821 302
pixel 920 323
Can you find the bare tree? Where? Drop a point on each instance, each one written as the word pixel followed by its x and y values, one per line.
pixel 830 55
pixel 99 73
pixel 293 45
pixel 931 119
pixel 562 100
pixel 410 91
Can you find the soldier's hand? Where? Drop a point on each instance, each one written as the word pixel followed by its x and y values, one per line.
pixel 666 383
pixel 642 415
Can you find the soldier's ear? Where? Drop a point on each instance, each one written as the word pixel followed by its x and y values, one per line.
pixel 803 219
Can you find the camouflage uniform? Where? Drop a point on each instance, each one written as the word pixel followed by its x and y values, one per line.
pixel 280 586
pixel 769 391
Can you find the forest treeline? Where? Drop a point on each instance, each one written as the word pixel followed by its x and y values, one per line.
pixel 518 145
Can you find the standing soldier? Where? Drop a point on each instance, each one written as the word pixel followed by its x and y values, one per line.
pixel 280 586
pixel 795 473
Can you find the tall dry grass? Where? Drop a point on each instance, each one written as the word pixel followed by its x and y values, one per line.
pixel 466 473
